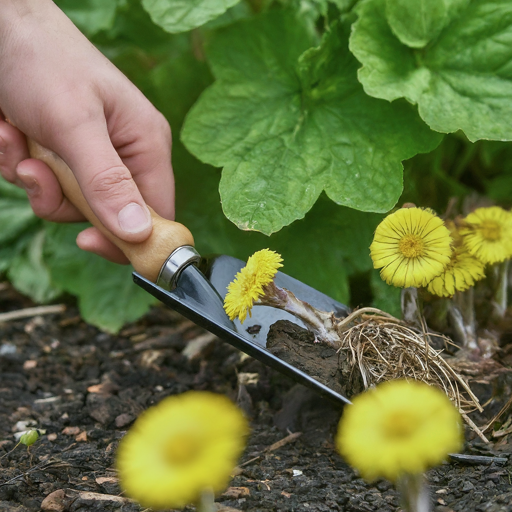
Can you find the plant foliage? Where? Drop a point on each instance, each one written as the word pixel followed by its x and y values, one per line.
pixel 320 115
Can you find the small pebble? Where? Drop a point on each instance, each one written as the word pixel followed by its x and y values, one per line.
pixel 468 486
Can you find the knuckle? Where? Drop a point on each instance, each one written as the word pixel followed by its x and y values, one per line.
pixel 48 211
pixel 114 180
pixel 164 128
pixel 64 113
pixel 157 125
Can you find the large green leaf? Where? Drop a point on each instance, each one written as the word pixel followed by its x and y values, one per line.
pixel 11 191
pixel 29 273
pixel 21 245
pixel 287 121
pixel 10 251
pixel 90 16
pixel 15 216
pixel 15 212
pixel 461 80
pixel 107 296
pixel 419 22
pixel 182 15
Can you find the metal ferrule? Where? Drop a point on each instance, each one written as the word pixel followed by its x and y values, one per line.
pixel 175 263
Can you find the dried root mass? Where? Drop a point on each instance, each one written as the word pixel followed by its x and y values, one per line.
pixel 383 348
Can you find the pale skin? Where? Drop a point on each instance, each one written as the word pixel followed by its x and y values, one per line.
pixel 59 90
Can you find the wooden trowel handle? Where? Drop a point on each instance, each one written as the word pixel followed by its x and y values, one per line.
pixel 146 257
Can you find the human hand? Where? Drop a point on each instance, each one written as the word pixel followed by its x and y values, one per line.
pixel 58 89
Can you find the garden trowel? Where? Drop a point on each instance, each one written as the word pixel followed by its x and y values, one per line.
pixel 169 268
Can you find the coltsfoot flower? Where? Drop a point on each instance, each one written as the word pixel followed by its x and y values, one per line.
pixel 411 247
pixel 249 283
pixel 254 284
pixel 398 428
pixel 181 447
pixel 461 273
pixel 487 234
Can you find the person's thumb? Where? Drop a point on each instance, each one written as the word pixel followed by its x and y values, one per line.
pixel 106 183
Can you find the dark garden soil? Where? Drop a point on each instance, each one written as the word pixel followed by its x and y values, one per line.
pixel 84 388
pixel 297 346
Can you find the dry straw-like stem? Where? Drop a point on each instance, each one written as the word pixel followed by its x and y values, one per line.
pixel 385 348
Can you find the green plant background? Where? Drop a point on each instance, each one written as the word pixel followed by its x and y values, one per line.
pixel 297 124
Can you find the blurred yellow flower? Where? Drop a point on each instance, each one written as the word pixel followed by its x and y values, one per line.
pixel 461 273
pixel 487 234
pixel 398 428
pixel 411 247
pixel 181 447
pixel 249 283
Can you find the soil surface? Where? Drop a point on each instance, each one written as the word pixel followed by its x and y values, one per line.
pixel 83 388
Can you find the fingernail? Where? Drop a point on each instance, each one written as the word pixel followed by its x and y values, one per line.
pixel 29 183
pixel 133 218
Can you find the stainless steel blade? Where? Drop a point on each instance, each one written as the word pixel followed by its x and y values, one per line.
pixel 201 300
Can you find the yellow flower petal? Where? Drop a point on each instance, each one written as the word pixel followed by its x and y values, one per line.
pixel 398 427
pixel 180 447
pixel 487 234
pixel 411 247
pixel 248 285
pixel 461 273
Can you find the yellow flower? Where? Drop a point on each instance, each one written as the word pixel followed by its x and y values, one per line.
pixel 184 445
pixel 248 285
pixel 462 271
pixel 411 246
pixel 487 234
pixel 398 428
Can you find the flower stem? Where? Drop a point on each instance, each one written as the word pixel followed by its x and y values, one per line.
pixel 206 502
pixel 462 318
pixel 500 285
pixel 414 493
pixel 412 307
pixel 321 323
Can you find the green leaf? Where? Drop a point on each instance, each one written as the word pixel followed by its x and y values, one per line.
pixel 419 22
pixel 182 76
pixel 15 216
pixel 90 16
pixel 10 251
pixel 287 122
pixel 107 296
pixel 15 212
pixel 29 438
pixel 461 81
pixel 500 189
pixel 11 191
pixel 134 29
pixel 238 12
pixel 182 15
pixel 385 297
pixel 311 9
pixel 29 273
